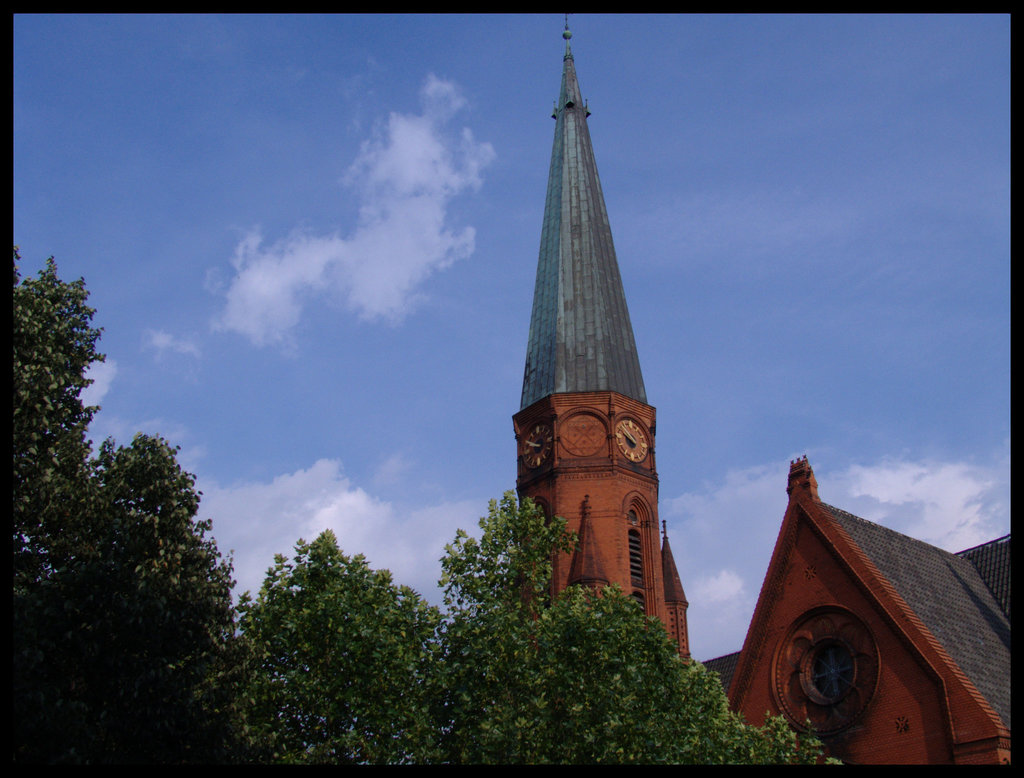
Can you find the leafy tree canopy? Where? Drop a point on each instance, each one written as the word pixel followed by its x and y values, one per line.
pixel 54 344
pixel 123 620
pixel 342 659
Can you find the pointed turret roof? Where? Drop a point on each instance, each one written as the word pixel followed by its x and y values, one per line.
pixel 581 339
pixel 587 565
pixel 673 586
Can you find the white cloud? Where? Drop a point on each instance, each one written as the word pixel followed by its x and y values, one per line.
pixel 255 521
pixel 392 470
pixel 102 375
pixel 405 177
pixel 953 505
pixel 162 341
pixel 723 586
pixel 722 539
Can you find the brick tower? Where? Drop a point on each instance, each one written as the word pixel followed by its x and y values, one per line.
pixel 584 431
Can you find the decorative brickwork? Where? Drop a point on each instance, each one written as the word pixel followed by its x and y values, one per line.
pixel 607 496
pixel 896 651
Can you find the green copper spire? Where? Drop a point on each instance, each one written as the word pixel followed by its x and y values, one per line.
pixel 581 339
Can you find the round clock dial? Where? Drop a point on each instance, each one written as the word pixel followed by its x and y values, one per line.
pixel 632 440
pixel 537 445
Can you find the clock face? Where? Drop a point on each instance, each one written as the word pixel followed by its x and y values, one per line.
pixel 632 440
pixel 537 445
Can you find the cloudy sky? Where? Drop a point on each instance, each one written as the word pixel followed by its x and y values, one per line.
pixel 311 242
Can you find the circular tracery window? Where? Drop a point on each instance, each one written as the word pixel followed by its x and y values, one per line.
pixel 832 671
pixel 828 673
pixel 826 670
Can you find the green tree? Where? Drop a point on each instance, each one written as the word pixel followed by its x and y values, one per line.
pixel 342 661
pixel 54 344
pixel 586 678
pixel 123 622
pixel 491 704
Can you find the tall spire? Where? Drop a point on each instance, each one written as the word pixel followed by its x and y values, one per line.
pixel 581 339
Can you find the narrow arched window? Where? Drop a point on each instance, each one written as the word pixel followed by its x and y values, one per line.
pixel 636 559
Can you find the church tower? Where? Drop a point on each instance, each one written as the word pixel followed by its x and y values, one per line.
pixel 584 431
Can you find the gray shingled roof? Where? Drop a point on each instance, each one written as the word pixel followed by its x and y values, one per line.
pixel 725 666
pixel 992 561
pixel 951 598
pixel 581 339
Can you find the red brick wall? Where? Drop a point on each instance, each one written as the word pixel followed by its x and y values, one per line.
pixel 904 721
pixel 587 472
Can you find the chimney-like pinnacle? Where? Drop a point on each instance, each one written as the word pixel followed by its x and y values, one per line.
pixel 801 476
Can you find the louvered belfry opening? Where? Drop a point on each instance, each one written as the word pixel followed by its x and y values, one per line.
pixel 636 559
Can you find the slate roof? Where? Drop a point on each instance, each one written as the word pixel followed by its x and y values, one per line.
pixel 992 561
pixel 581 338
pixel 725 666
pixel 958 602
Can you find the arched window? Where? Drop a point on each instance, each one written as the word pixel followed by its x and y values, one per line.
pixel 541 503
pixel 636 558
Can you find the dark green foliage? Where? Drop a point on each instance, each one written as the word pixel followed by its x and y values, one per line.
pixel 53 344
pixel 122 606
pixel 342 661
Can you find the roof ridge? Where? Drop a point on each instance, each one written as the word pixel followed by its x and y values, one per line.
pixel 986 543
pixel 960 554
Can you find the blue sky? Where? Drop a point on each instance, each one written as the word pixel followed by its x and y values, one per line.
pixel 311 242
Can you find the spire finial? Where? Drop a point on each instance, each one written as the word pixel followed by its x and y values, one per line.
pixel 567 35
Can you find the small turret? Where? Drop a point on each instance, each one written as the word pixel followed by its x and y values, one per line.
pixel 587 565
pixel 801 476
pixel 675 598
